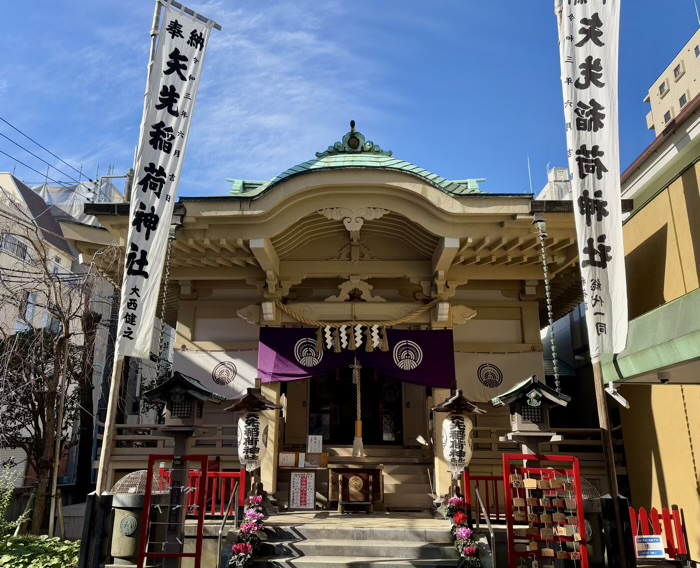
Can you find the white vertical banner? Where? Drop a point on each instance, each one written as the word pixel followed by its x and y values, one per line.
pixel 589 33
pixel 174 78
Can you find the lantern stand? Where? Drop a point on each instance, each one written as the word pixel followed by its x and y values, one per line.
pixel 457 442
pixel 184 397
pixel 252 404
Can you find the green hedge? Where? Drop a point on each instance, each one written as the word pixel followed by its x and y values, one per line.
pixel 30 551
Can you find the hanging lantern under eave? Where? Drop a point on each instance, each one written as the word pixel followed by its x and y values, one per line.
pixel 252 439
pixel 457 431
pixel 457 442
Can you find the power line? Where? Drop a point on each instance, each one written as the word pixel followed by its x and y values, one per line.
pixel 38 158
pixel 31 168
pixel 40 146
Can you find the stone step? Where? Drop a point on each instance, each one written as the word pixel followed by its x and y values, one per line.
pixel 338 532
pixel 396 478
pixel 372 460
pixel 407 488
pixel 382 451
pixel 399 500
pixel 363 548
pixel 353 562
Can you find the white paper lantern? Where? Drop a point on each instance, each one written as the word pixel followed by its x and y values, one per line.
pixel 252 439
pixel 457 432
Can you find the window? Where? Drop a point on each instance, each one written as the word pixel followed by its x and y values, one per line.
pixel 697 51
pixel 51 324
pixel 14 246
pixel 663 88
pixel 56 265
pixel 683 100
pixel 668 116
pixel 27 309
pixel 678 71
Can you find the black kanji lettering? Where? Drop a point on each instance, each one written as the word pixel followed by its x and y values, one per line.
pixel 144 219
pixel 589 162
pixel 592 207
pixel 175 29
pixel 589 117
pixel 196 40
pixel 135 262
pixel 161 137
pixel 154 179
pixel 176 64
pixel 598 256
pixel 591 31
pixel 591 74
pixel 168 100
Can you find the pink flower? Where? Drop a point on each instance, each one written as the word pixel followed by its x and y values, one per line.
pixel 456 502
pixel 464 533
pixel 255 500
pixel 250 528
pixel 253 515
pixel 470 551
pixel 242 549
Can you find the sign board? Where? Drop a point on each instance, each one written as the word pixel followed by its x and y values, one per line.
pixel 649 546
pixel 287 459
pixel 314 445
pixel 302 493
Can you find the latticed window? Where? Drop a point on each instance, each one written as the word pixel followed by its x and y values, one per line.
pixel 14 246
pixel 531 413
pixel 181 409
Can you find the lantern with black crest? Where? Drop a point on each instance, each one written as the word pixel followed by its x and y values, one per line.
pixel 457 431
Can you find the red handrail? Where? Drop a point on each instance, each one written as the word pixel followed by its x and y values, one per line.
pixel 219 486
pixel 490 488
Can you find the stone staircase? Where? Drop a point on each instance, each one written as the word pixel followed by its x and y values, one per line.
pixel 360 542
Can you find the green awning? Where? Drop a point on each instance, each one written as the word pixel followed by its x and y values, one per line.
pixel 662 338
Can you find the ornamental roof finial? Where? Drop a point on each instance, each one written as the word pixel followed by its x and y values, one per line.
pixel 353 143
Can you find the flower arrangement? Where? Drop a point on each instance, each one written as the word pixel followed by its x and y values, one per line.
pixel 465 543
pixel 242 555
pixel 454 505
pixel 248 542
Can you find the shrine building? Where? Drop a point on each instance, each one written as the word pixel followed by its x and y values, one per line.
pixel 358 263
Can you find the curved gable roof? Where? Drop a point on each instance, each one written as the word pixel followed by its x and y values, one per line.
pixel 355 152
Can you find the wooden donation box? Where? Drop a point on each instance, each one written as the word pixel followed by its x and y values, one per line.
pixel 356 487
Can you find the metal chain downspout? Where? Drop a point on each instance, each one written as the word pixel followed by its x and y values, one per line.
pixel 162 359
pixel 542 227
pixel 690 438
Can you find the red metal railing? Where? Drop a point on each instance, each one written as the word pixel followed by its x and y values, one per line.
pixel 219 486
pixel 491 490
pixel 673 528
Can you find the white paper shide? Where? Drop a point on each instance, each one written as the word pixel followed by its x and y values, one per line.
pixel 589 41
pixel 169 105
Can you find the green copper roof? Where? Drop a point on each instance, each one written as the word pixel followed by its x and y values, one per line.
pixel 355 152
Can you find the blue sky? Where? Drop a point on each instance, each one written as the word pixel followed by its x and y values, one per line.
pixel 464 88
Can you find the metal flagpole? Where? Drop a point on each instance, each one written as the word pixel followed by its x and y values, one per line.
pixel 118 367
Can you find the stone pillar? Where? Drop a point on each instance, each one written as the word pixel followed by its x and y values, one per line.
pixel 443 476
pixel 268 467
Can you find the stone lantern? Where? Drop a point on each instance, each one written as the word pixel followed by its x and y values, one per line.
pixel 184 399
pixel 530 402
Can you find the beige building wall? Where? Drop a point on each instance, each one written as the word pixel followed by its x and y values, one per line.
pixel 676 86
pixel 662 245
pixel 662 441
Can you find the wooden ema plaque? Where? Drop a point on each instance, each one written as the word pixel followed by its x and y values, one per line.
pixel 547 503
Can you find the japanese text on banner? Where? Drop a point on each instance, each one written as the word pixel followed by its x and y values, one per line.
pixel 589 41
pixel 169 105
